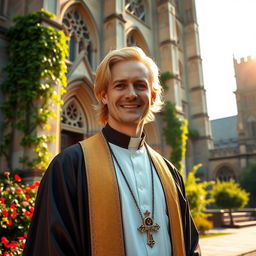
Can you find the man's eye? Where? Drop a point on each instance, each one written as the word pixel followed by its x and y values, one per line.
pixel 119 86
pixel 141 86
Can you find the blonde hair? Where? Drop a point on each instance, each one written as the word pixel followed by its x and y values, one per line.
pixel 103 78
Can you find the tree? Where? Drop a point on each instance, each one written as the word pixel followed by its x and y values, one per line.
pixel 228 195
pixel 248 181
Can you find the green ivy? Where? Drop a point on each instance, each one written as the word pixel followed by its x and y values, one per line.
pixel 164 76
pixel 36 65
pixel 175 132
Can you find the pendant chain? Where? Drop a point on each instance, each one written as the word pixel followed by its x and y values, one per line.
pixel 127 183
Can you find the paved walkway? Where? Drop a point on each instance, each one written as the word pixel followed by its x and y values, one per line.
pixel 241 241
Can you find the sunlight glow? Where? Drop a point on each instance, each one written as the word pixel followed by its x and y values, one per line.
pixel 226 30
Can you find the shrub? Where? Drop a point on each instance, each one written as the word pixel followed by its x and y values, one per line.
pixel 202 225
pixel 197 193
pixel 228 195
pixel 16 209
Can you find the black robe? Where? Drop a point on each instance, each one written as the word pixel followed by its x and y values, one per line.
pixel 60 224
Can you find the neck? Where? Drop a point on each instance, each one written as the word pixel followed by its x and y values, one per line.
pixel 130 130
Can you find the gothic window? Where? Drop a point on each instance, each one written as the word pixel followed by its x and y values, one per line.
pixel 225 174
pixel 135 38
pixel 131 40
pixel 78 33
pixel 72 114
pixel 253 128
pixel 136 7
pixel 3 7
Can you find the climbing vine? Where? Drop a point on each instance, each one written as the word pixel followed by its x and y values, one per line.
pixel 175 133
pixel 36 66
pixel 175 130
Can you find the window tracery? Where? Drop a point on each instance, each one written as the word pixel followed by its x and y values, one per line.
pixel 72 114
pixel 137 8
pixel 78 33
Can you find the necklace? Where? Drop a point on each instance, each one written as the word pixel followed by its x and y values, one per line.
pixel 148 224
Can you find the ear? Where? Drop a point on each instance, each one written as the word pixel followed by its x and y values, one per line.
pixel 153 97
pixel 104 97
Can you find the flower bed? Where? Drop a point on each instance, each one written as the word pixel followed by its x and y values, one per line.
pixel 16 209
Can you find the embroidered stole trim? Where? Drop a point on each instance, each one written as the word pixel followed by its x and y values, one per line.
pixel 106 227
pixel 104 203
pixel 172 200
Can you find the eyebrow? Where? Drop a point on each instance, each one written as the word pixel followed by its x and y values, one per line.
pixel 125 80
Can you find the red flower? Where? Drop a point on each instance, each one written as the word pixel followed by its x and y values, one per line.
pixel 4 240
pixel 19 190
pixel 9 223
pixel 12 245
pixel 14 214
pixel 17 177
pixel 21 238
pixel 28 213
pixel 13 205
pixel 1 200
pixel 5 213
pixel 37 183
pixel 7 254
pixel 28 197
pixel 32 186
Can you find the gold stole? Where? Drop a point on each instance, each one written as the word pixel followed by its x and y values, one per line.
pixel 105 214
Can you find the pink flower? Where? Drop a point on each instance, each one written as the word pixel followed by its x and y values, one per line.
pixel 17 177
pixel 21 238
pixel 25 204
pixel 7 173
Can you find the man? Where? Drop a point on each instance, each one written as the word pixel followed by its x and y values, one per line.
pixel 112 195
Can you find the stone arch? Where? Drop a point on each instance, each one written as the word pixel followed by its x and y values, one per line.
pixel 83 36
pixel 134 37
pixel 80 89
pixel 225 172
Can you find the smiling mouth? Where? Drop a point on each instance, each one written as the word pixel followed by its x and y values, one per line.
pixel 130 106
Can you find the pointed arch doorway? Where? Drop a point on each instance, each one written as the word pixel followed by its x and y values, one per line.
pixel 73 123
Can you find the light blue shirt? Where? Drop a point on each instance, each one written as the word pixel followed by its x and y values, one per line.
pixel 136 167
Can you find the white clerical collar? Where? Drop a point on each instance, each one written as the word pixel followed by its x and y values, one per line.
pixel 135 143
pixel 122 140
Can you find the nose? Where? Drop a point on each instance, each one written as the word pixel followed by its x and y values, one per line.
pixel 131 92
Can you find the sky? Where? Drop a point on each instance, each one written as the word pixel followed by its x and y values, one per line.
pixel 227 28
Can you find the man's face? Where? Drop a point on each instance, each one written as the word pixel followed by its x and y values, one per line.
pixel 128 95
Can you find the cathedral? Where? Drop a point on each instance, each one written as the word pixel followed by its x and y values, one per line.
pixel 235 136
pixel 166 30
